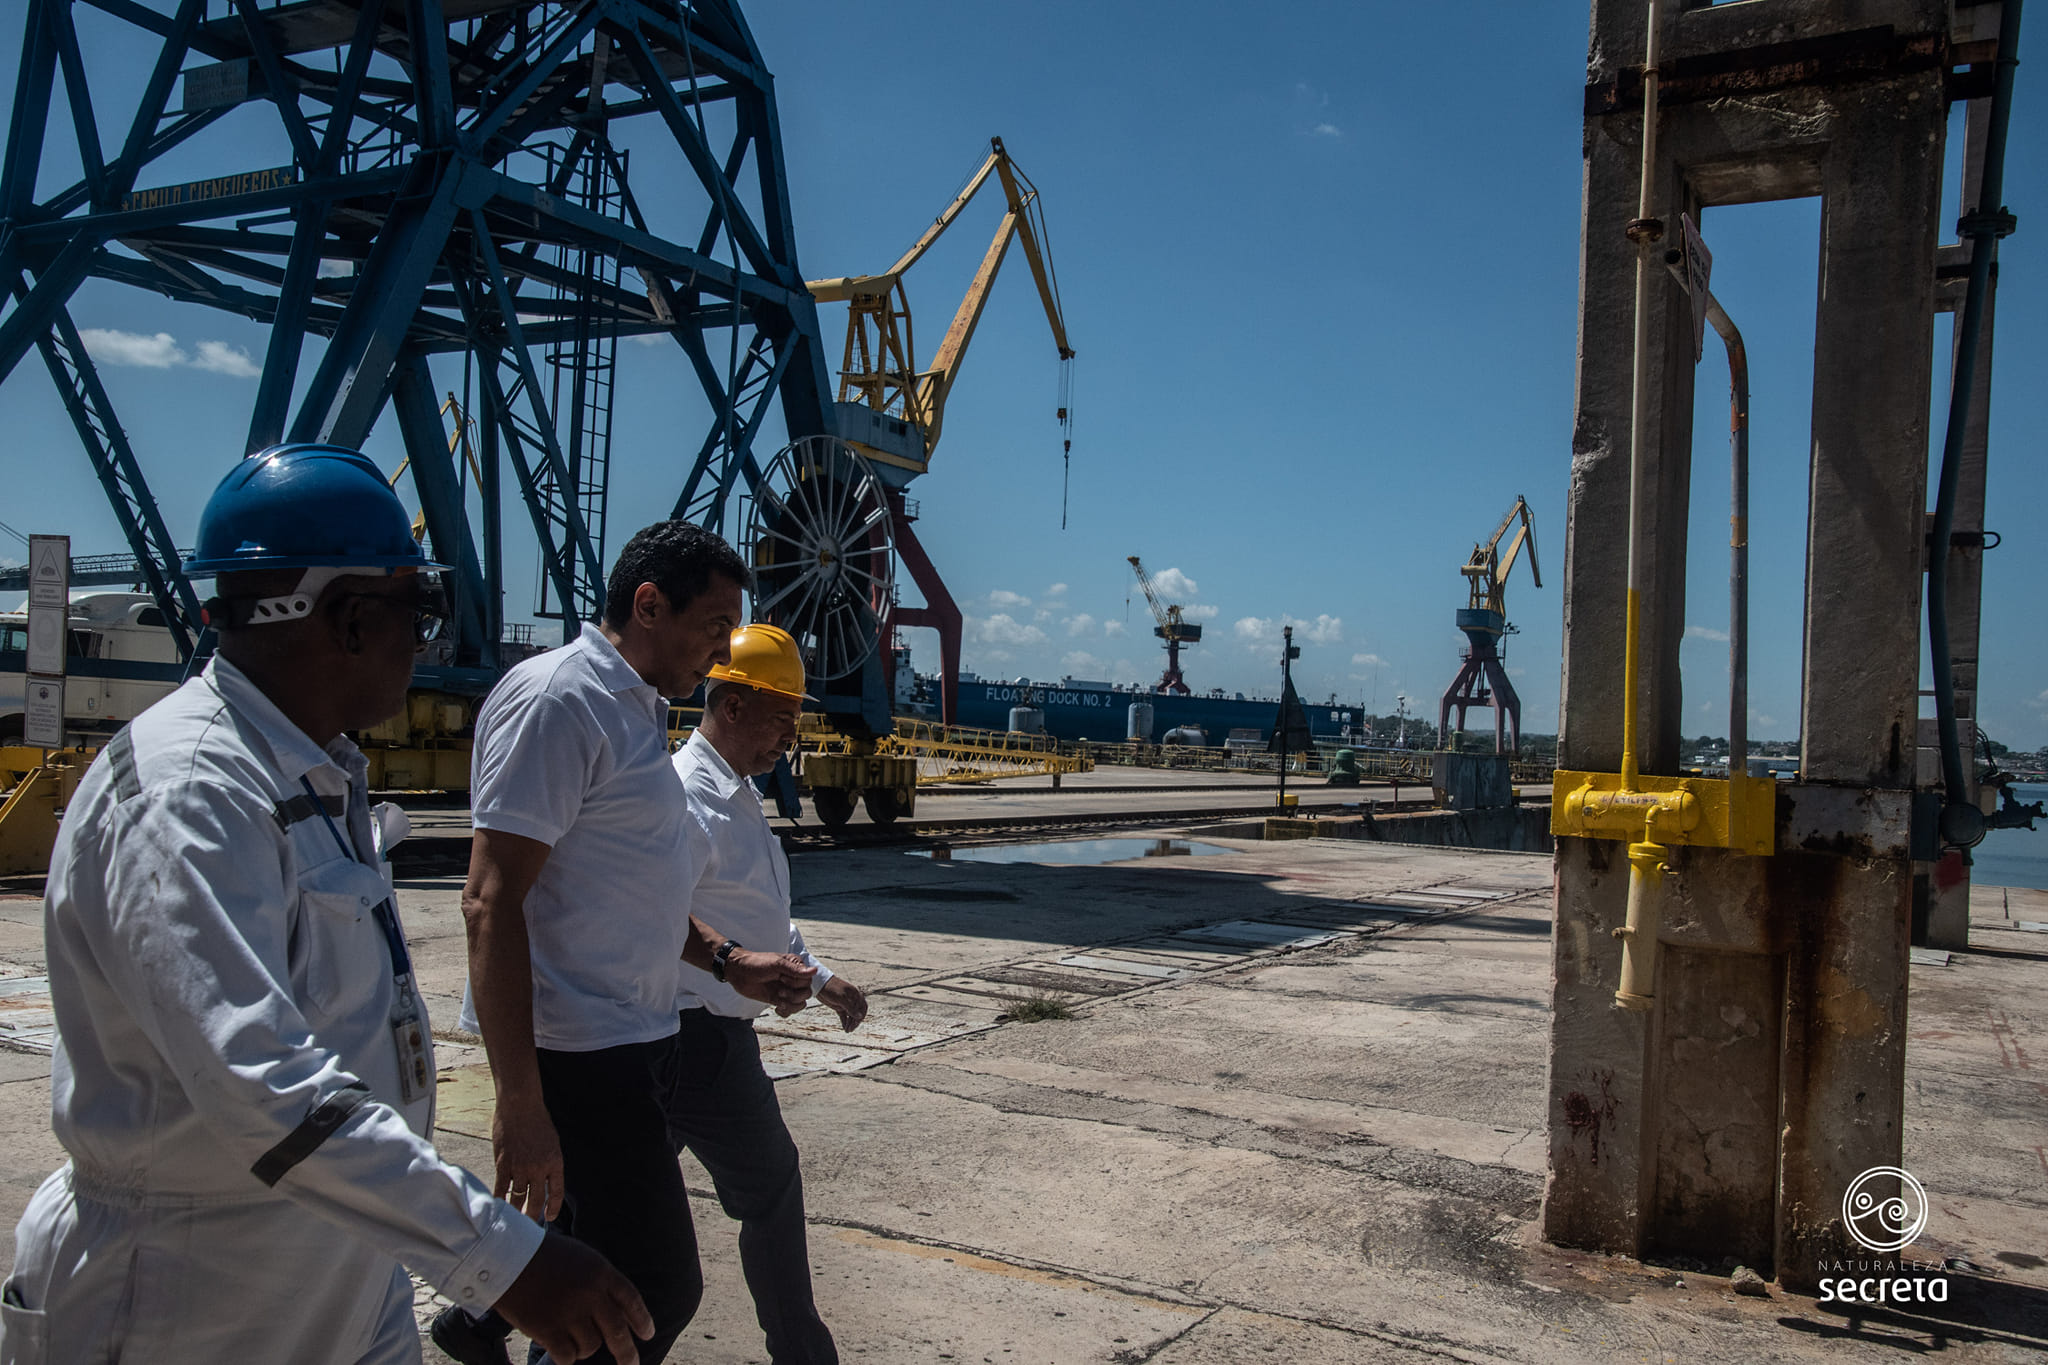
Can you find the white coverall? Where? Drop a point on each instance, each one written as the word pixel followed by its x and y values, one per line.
pixel 244 1177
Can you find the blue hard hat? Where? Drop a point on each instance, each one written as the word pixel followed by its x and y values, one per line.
pixel 303 507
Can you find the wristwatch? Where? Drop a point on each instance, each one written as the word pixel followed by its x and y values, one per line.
pixel 720 956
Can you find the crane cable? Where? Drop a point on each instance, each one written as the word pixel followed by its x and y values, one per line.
pixel 1036 212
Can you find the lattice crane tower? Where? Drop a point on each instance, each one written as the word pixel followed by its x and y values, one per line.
pixel 447 179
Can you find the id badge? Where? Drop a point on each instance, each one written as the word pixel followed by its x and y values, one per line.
pixel 415 1060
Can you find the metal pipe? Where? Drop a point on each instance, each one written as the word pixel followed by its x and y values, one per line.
pixel 1645 922
pixel 1644 231
pixel 1738 537
pixel 1645 859
pixel 1962 824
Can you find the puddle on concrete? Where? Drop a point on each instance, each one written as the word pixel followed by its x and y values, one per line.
pixel 1076 852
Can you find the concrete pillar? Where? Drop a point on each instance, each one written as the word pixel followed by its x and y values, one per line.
pixel 1727 1121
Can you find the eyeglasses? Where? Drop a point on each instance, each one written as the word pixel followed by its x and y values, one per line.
pixel 429 612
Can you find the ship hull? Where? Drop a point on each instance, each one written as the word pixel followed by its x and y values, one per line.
pixel 1102 714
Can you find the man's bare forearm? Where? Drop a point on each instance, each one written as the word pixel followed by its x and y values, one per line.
pixel 702 943
pixel 501 971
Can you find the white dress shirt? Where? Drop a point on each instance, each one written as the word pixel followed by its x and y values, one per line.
pixel 226 1080
pixel 742 877
pixel 572 750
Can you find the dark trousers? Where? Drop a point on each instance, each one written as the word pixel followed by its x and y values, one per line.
pixel 623 1192
pixel 721 1106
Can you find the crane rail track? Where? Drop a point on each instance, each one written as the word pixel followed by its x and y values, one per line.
pixel 811 838
pixel 440 853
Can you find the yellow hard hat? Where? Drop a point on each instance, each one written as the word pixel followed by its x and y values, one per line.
pixel 764 657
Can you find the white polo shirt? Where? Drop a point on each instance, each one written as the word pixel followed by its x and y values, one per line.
pixel 572 750
pixel 742 877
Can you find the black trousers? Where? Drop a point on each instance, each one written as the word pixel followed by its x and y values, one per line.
pixel 722 1107
pixel 623 1192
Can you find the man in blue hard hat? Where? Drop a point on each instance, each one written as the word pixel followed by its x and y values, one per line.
pixel 244 1074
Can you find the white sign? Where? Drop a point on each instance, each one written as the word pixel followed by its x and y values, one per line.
pixel 46 641
pixel 1699 265
pixel 49 571
pixel 43 713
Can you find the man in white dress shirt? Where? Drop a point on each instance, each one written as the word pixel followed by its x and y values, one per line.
pixel 722 1105
pixel 579 917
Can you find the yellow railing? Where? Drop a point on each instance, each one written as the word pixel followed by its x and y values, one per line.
pixel 953 754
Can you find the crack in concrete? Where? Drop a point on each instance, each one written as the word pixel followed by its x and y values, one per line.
pixel 1425 1343
pixel 1417 1169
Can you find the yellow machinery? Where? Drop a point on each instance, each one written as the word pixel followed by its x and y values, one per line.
pixel 39 783
pixel 920 754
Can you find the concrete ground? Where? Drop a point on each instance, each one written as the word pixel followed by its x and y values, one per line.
pixel 1298 1114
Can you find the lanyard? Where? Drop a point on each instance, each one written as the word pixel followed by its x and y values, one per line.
pixel 387 918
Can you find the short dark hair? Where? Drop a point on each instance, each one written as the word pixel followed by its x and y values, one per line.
pixel 678 557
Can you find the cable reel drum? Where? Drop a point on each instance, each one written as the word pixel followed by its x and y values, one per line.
pixel 822 546
pixel 821 541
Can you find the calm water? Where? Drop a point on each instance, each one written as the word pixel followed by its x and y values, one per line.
pixel 2014 857
pixel 1083 852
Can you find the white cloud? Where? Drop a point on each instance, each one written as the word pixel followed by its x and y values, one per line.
pixel 1081 663
pixel 1002 597
pixel 1081 624
pixel 337 270
pixel 1367 661
pixel 648 338
pixel 1327 130
pixel 1000 629
pixel 1706 633
pixel 1174 586
pixel 1259 631
pixel 218 357
pixel 1201 612
pixel 160 351
pixel 1123 671
pixel 1056 590
pixel 1113 629
pixel 1324 630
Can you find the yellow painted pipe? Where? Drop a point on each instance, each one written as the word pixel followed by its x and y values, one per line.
pixel 1645 920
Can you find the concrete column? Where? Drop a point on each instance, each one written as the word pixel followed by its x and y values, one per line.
pixel 1728 1120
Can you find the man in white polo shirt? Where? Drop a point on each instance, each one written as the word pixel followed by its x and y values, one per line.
pixel 722 1104
pixel 577 907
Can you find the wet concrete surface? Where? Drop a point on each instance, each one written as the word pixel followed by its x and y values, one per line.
pixel 1240 1150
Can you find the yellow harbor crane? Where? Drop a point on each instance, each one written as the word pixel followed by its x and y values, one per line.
pixel 896 409
pixel 1484 621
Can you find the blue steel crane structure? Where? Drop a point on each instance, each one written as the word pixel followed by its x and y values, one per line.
pixel 452 186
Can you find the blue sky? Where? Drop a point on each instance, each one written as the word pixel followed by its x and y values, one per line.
pixel 1322 279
